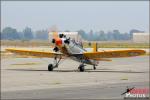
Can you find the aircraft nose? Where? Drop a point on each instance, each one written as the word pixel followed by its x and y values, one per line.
pixel 58 42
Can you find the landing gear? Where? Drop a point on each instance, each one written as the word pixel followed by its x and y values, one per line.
pixel 94 67
pixel 81 68
pixel 52 66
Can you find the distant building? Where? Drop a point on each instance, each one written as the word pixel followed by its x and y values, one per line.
pixel 73 35
pixel 141 37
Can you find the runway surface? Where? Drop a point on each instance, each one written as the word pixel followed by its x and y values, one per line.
pixel 112 91
pixel 29 78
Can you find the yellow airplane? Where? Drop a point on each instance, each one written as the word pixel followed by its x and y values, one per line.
pixel 66 47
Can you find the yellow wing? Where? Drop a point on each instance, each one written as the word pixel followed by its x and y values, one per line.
pixel 114 54
pixel 33 53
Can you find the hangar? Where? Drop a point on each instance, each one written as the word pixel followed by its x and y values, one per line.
pixel 141 37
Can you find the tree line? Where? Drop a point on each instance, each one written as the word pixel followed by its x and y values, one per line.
pixel 9 33
pixel 108 36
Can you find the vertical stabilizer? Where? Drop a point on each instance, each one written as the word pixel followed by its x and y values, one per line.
pixel 94 47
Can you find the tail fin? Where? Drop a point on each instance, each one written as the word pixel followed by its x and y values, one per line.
pixel 95 47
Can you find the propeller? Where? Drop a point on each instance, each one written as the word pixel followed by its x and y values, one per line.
pixel 56 49
pixel 61 35
pixel 53 40
pixel 67 41
pixel 56 41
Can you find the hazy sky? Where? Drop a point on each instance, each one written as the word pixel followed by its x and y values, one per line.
pixel 75 15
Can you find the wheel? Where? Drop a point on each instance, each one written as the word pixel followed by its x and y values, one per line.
pixel 94 67
pixel 50 67
pixel 81 68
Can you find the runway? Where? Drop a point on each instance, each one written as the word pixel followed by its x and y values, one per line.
pixel 112 91
pixel 29 78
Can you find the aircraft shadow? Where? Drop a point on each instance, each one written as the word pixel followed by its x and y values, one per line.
pixel 86 70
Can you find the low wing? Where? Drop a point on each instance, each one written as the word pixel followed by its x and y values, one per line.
pixel 32 53
pixel 114 54
pixel 102 59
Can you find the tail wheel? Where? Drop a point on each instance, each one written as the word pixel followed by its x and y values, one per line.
pixel 50 67
pixel 94 67
pixel 81 68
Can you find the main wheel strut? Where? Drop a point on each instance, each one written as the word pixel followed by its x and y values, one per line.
pixel 81 67
pixel 55 64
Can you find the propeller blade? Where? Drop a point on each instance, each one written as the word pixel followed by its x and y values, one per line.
pixel 61 35
pixel 56 49
pixel 53 41
pixel 67 41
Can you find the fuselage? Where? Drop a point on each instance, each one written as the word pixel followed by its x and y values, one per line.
pixel 75 51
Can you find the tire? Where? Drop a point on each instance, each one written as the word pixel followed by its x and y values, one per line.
pixel 94 67
pixel 50 67
pixel 81 68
